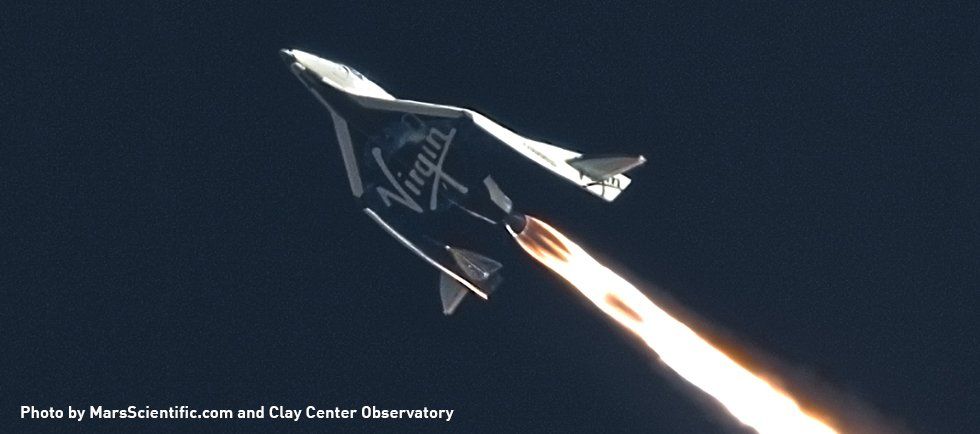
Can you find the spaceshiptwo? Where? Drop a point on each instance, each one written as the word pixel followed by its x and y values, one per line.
pixel 423 171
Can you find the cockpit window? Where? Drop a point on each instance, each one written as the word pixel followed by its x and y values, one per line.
pixel 350 70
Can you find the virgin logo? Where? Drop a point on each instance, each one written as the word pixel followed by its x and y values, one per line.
pixel 427 170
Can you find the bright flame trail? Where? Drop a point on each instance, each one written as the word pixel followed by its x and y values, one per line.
pixel 749 398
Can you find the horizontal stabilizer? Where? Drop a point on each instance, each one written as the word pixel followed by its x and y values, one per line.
pixel 600 167
pixel 478 269
pixel 451 292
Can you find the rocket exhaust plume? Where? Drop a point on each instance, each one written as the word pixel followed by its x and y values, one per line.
pixel 752 400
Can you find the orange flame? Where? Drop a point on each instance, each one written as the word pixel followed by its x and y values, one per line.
pixel 749 398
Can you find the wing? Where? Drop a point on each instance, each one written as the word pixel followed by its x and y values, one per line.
pixel 411 167
pixel 467 270
pixel 601 175
pixel 607 183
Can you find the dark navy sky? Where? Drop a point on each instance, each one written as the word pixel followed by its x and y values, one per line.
pixel 176 227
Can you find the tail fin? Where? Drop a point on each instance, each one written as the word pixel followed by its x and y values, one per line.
pixel 601 175
pixel 478 269
pixel 451 292
pixel 601 167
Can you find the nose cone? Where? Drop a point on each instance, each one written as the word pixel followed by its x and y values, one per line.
pixel 305 60
pixel 322 68
pixel 287 56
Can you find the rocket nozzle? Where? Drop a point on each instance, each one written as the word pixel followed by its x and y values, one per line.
pixel 516 222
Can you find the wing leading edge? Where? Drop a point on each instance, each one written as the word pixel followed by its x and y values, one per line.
pixel 601 175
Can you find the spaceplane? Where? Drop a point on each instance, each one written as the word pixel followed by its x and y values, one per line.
pixel 428 173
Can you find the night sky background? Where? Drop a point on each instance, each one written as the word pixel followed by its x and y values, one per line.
pixel 176 227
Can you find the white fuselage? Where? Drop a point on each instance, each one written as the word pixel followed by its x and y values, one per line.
pixel 340 76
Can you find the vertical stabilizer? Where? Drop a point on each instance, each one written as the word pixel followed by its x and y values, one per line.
pixel 600 167
pixel 451 292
